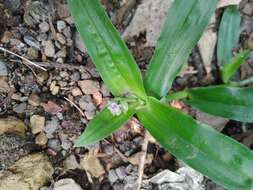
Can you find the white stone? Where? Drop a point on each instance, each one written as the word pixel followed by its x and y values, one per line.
pixel 149 17
pixel 61 25
pixel 49 48
pixel 66 184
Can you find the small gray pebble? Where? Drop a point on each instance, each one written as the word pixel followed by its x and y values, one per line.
pixel 61 25
pixel 3 69
pixel 32 42
pixel 12 5
pixel 54 144
pixel 112 176
pixel 44 27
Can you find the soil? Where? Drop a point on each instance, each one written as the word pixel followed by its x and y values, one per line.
pixel 43 32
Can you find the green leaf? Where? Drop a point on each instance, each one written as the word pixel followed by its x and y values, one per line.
pixel 106 48
pixel 104 124
pixel 229 33
pixel 228 70
pixel 228 102
pixel 183 28
pixel 219 157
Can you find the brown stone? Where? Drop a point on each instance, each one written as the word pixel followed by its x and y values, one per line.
pixel 98 99
pixel 37 123
pixel 135 159
pixel 54 88
pixel 16 96
pixel 89 86
pixel 12 125
pixel 49 48
pixel 4 86
pixel 91 164
pixel 6 37
pixel 76 92
pixel 42 77
pixel 41 139
pixel 51 107
pixel 250 42
pixel 34 100
pixel 28 173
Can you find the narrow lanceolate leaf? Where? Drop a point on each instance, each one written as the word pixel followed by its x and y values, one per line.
pixel 228 70
pixel 107 50
pixel 104 124
pixel 229 33
pixel 183 28
pixel 228 102
pixel 219 157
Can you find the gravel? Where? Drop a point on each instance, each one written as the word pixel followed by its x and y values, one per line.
pixel 44 27
pixel 35 13
pixel 12 5
pixel 61 25
pixel 3 69
pixel 85 103
pixel 112 176
pixel 49 48
pixel 37 124
pixel 51 127
pixel 54 144
pixel 121 172
pixel 89 86
pixel 32 42
pixel 20 108
pixel 41 139
pixel 66 184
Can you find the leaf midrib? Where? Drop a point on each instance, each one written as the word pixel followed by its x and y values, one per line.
pixel 106 46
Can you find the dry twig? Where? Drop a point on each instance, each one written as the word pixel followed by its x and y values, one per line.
pixel 72 103
pixel 122 156
pixel 23 58
pixel 142 160
pixel 51 17
pixel 55 65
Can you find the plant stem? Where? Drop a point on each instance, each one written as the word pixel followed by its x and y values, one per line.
pixel 175 96
pixel 243 82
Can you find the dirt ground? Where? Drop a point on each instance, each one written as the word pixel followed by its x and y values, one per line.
pixel 42 112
